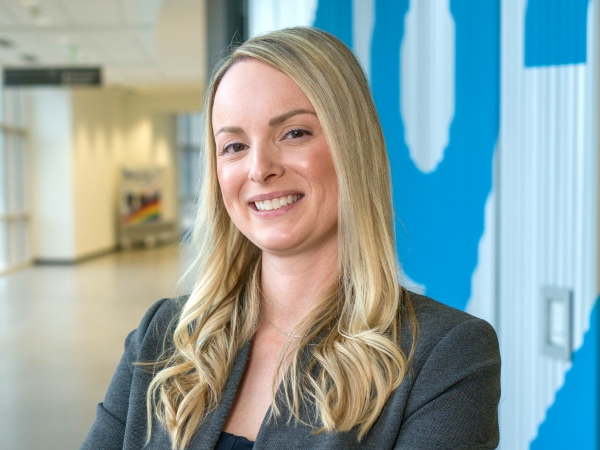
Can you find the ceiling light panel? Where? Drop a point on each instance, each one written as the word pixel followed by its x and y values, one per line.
pixel 142 12
pixel 147 41
pixel 82 51
pixel 94 12
pixel 21 15
pixel 118 47
pixel 42 13
pixel 48 53
pixel 56 47
pixel 119 35
pixel 53 10
pixel 24 42
pixel 6 43
pixel 6 17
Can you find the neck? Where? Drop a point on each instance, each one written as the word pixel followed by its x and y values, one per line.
pixel 291 285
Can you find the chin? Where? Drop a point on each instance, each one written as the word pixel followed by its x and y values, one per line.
pixel 278 248
pixel 275 244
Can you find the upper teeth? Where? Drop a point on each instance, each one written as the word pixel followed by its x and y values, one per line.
pixel 276 203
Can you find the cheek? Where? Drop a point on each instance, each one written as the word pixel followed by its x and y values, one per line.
pixel 317 163
pixel 230 183
pixel 317 167
pixel 322 170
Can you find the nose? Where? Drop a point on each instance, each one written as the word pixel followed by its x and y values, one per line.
pixel 266 163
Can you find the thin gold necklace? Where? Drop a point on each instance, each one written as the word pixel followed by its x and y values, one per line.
pixel 281 331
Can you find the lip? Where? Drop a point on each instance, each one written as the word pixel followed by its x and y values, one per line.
pixel 272 195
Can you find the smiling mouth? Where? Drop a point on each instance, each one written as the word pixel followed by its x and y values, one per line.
pixel 276 203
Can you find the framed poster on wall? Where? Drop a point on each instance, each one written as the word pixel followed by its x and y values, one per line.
pixel 140 207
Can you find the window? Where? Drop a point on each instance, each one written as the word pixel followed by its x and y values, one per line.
pixel 190 129
pixel 15 224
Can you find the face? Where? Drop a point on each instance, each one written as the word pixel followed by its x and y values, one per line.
pixel 273 163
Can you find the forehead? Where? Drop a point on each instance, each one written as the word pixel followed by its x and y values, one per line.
pixel 251 88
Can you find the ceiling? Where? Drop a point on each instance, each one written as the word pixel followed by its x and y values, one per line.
pixel 139 43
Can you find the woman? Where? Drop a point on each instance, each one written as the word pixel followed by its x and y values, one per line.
pixel 297 333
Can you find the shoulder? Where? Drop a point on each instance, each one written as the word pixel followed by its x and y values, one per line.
pixel 449 398
pixel 437 321
pixel 153 335
pixel 448 336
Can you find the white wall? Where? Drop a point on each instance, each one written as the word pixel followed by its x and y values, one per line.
pixel 53 184
pixel 81 139
pixel 98 150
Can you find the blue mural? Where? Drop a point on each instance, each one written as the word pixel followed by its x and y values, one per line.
pixel 441 213
pixel 335 16
pixel 555 32
pixel 570 421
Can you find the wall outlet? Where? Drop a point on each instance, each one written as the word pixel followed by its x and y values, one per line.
pixel 557 322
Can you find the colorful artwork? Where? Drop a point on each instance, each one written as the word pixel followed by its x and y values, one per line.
pixel 140 196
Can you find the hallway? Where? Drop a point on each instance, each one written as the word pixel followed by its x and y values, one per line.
pixel 62 330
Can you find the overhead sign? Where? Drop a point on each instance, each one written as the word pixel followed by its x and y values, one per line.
pixel 53 76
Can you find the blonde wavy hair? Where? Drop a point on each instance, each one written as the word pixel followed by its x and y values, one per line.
pixel 356 359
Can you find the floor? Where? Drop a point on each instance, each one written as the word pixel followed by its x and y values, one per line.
pixel 62 330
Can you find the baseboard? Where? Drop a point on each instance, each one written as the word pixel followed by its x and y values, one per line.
pixel 70 262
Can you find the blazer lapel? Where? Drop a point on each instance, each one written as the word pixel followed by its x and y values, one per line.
pixel 208 433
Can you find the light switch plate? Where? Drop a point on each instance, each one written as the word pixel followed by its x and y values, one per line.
pixel 557 322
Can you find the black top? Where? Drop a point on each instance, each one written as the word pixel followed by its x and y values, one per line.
pixel 232 442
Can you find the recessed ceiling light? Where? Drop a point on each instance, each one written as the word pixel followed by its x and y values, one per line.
pixel 6 43
pixel 29 58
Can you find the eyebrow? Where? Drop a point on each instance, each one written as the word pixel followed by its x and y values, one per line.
pixel 236 130
pixel 277 120
pixel 285 116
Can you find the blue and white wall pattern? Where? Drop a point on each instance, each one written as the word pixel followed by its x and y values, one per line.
pixel 548 217
pixel 489 109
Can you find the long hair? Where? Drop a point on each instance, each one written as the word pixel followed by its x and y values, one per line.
pixel 356 359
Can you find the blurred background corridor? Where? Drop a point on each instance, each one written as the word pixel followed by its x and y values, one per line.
pixel 490 113
pixel 62 332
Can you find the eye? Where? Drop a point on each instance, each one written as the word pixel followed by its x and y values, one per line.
pixel 234 147
pixel 297 133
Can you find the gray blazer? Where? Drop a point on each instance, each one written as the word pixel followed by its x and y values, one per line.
pixel 449 400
